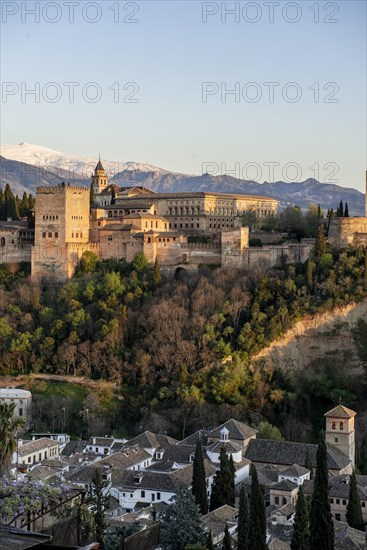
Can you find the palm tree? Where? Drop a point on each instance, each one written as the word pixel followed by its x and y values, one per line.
pixel 9 425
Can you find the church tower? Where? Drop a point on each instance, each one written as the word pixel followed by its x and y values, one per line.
pixel 99 179
pixel 340 432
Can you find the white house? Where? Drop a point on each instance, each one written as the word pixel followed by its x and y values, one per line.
pixel 149 487
pixel 233 449
pixel 22 399
pixel 296 473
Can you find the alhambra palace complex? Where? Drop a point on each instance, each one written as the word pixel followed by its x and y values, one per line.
pixel 124 221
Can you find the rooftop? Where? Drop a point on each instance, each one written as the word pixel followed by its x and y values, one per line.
pixel 340 412
pixel 236 430
pixel 289 453
pixel 36 445
pixel 14 393
pixel 12 538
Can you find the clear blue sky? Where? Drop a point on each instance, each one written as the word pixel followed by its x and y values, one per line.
pixel 169 53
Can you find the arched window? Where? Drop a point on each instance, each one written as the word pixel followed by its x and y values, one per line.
pixel 2 242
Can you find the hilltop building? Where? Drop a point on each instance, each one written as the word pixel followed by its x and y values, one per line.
pixel 344 232
pixel 181 230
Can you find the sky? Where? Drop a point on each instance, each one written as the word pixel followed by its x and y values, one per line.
pixel 151 82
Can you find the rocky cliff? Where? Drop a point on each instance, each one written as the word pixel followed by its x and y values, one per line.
pixel 325 335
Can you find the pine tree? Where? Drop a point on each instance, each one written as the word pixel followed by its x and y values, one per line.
pixel 181 522
pixel 257 527
pixel 156 273
pixel 320 244
pixel 227 540
pixel 199 480
pixel 354 508
pixel 321 522
pixel 243 522
pixel 346 211
pixel 308 463
pixel 301 532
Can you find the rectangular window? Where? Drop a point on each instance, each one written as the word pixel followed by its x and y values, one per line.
pixel 341 425
pixel 344 502
pixel 20 412
pixel 142 494
pixel 56 235
pixel 29 459
pixel 43 235
pixel 363 504
pixel 337 501
pixel 50 235
pixel 158 496
pixel 153 497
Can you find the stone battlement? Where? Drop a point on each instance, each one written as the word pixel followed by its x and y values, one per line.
pixel 60 189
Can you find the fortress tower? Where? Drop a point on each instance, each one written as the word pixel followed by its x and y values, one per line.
pixel 61 230
pixel 99 178
pixel 340 432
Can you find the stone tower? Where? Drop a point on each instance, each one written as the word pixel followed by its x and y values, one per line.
pixel 340 432
pixel 61 232
pixel 99 178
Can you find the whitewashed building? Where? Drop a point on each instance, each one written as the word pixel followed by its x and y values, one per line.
pixel 22 399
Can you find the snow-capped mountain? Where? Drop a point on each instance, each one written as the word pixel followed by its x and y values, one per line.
pixel 27 166
pixel 43 157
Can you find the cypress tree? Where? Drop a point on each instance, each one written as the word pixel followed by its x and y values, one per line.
pixel 91 194
pixel 31 201
pixel 320 244
pixel 199 480
pixel 243 522
pixel 223 483
pixel 11 208
pixel 231 481
pixel 209 541
pixel 341 209
pixel 156 273
pixel 24 206
pixel 257 527
pixel 354 508
pixel 227 540
pixel 346 211
pixel 301 533
pixel 308 463
pixel 2 204
pixel 309 274
pixel 321 522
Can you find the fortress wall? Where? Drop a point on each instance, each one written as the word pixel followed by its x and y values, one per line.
pixel 347 231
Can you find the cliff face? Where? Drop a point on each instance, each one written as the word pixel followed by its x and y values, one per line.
pixel 323 336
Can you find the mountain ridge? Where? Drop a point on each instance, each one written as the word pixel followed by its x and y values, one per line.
pixel 48 167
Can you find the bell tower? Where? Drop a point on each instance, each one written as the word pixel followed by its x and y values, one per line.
pixel 340 431
pixel 99 178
